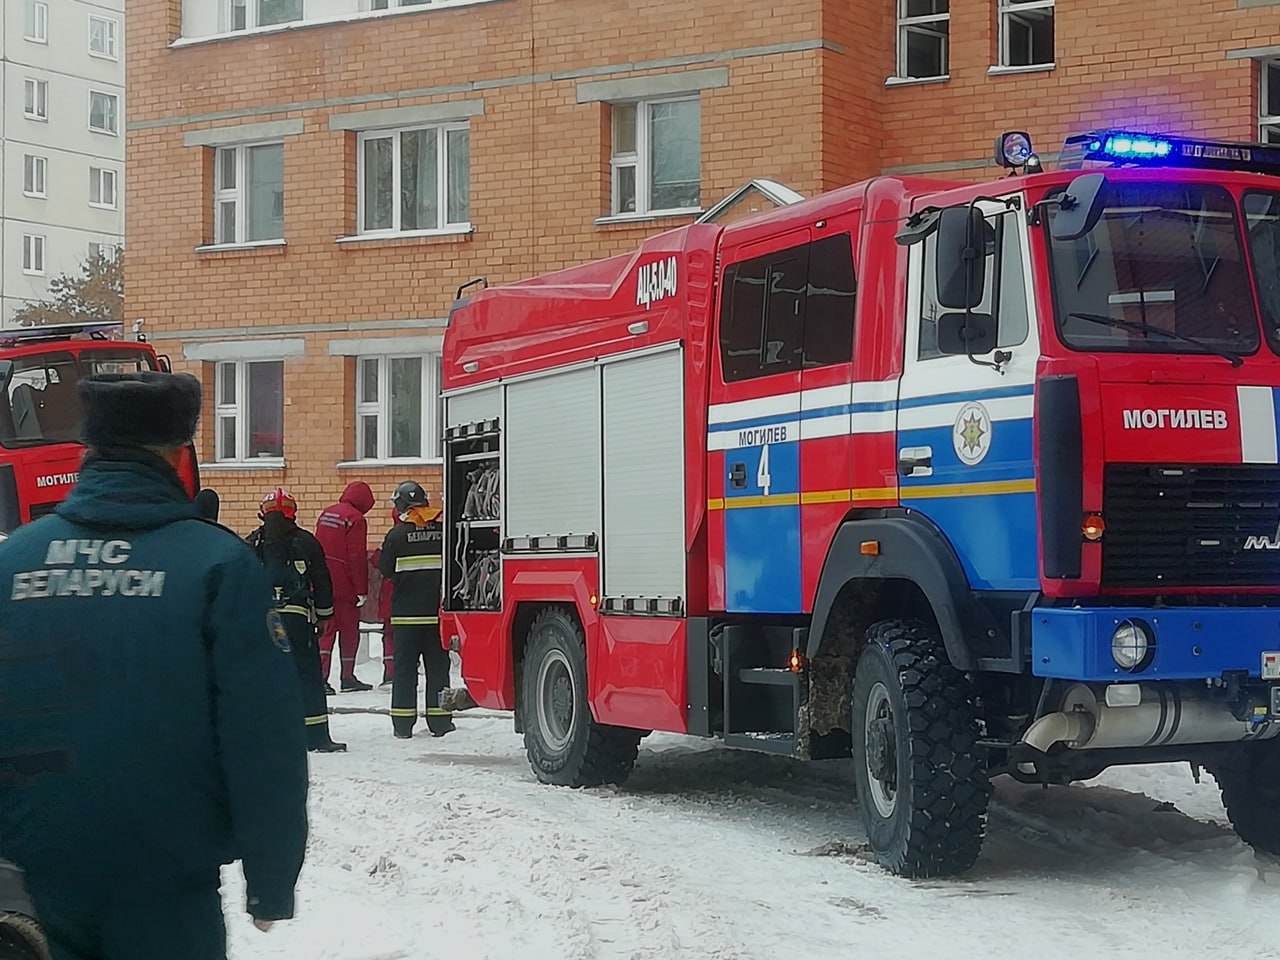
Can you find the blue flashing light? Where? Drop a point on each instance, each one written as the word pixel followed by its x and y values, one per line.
pixel 1133 147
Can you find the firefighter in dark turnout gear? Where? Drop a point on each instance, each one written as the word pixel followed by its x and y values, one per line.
pixel 303 595
pixel 411 558
pixel 136 643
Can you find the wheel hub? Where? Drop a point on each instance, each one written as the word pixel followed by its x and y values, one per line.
pixel 882 753
pixel 556 708
pixel 880 750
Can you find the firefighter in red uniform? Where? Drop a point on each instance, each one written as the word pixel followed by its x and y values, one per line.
pixel 411 557
pixel 344 533
pixel 300 585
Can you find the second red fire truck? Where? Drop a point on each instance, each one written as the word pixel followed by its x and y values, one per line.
pixel 958 479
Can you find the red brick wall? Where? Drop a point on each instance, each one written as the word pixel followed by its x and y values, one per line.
pixel 812 118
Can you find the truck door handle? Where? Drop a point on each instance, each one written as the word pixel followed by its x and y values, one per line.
pixel 915 461
pixel 738 476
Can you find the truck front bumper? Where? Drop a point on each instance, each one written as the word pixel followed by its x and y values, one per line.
pixel 1191 643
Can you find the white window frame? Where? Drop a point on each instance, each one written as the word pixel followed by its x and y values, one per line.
pixel 640 160
pixel 33 265
pixel 39 176
pixel 237 194
pixel 239 411
pixel 381 6
pixel 103 175
pixel 442 131
pixel 1268 113
pixel 100 247
pixel 40 19
pixel 36 87
pixel 905 22
pixel 252 11
pixel 110 132
pixel 1005 9
pixel 381 408
pixel 112 34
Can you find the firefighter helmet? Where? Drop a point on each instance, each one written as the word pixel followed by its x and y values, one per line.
pixel 278 500
pixel 409 495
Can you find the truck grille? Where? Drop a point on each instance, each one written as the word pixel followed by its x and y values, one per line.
pixel 1191 526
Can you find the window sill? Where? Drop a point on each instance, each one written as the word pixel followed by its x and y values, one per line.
pixel 384 464
pixel 104 206
pixel 998 71
pixel 43 43
pixel 625 218
pixel 256 246
pixel 104 133
pixel 32 116
pixel 231 465
pixel 324 21
pixel 36 196
pixel 461 232
pixel 914 81
pixel 104 56
pixel 33 273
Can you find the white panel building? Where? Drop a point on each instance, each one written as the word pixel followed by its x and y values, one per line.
pixel 61 140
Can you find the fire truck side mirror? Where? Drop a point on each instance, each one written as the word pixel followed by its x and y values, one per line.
pixel 961 257
pixel 966 334
pixel 1080 208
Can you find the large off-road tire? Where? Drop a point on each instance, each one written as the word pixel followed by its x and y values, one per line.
pixel 1250 783
pixel 20 938
pixel 565 745
pixel 922 788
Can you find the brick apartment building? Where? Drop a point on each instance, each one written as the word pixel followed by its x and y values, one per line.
pixel 309 181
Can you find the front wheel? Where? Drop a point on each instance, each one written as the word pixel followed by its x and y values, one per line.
pixel 922 790
pixel 564 744
pixel 1250 783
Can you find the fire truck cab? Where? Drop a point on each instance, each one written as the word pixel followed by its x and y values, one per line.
pixel 40 369
pixel 957 479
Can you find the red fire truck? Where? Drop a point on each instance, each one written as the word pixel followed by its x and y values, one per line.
pixel 40 368
pixel 957 479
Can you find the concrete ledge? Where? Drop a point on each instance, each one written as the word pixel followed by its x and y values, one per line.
pixel 1255 53
pixel 382 346
pixel 242 133
pixel 406 116
pixel 663 85
pixel 245 349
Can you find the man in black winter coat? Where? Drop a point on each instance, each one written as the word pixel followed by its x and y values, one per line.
pixel 148 717
pixel 303 594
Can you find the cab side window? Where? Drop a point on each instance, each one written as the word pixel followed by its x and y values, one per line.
pixel 1004 293
pixel 788 309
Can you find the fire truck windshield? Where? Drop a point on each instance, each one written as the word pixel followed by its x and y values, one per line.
pixel 1162 272
pixel 41 405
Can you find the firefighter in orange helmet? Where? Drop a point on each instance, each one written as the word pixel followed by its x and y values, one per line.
pixel 303 593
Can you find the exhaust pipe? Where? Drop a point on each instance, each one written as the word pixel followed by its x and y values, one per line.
pixel 1163 718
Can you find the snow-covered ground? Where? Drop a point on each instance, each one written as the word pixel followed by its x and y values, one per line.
pixel 450 849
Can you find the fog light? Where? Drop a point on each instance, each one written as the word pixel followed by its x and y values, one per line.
pixel 1132 645
pixel 1093 528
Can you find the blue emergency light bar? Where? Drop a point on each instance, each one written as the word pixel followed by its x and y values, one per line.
pixel 1128 147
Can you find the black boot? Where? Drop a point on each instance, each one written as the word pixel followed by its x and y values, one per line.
pixel 403 734
pixel 354 685
pixel 440 726
pixel 328 746
pixel 329 691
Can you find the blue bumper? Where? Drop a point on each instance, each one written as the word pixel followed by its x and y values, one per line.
pixel 1192 643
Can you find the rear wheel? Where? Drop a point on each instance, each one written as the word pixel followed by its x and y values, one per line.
pixel 1250 782
pixel 922 790
pixel 564 744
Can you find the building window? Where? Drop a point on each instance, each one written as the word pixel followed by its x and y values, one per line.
pixel 102 188
pixel 249 193
pixel 248 14
pixel 104 112
pixel 1269 101
pixel 102 37
pixel 1026 33
pixel 249 409
pixel 389 4
pixel 34 176
pixel 103 251
pixel 657 147
pixel 397 407
pixel 35 99
pixel 33 255
pixel 415 180
pixel 36 22
pixel 923 35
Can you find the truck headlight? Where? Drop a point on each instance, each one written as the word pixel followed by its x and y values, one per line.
pixel 1132 645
